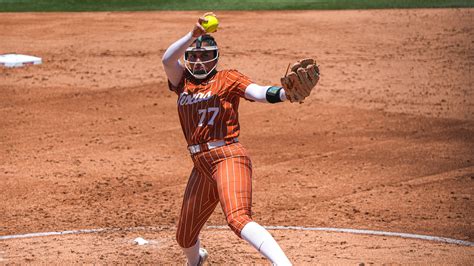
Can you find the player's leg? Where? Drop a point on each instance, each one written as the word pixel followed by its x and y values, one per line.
pixel 195 255
pixel 200 200
pixel 234 183
pixel 264 242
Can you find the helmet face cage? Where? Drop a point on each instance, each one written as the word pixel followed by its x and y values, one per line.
pixel 191 65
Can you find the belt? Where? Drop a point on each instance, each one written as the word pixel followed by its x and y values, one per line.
pixel 193 149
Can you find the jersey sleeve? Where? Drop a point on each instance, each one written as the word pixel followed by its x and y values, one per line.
pixel 176 89
pixel 237 82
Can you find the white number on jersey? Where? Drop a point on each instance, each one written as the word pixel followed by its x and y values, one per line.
pixel 203 113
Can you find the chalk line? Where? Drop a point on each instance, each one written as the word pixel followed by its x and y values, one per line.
pixel 365 232
pixel 221 227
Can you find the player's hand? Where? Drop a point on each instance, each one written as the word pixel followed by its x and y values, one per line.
pixel 198 29
pixel 301 80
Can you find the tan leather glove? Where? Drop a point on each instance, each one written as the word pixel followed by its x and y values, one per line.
pixel 301 80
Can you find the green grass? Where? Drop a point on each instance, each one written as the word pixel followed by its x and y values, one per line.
pixel 143 5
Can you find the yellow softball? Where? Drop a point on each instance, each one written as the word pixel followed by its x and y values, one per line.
pixel 211 24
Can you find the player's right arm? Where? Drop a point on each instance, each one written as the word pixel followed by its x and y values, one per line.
pixel 174 68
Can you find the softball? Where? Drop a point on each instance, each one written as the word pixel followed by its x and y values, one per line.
pixel 211 24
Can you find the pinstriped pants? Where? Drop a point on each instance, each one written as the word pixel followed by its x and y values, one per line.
pixel 222 175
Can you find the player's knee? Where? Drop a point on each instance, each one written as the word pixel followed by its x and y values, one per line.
pixel 237 223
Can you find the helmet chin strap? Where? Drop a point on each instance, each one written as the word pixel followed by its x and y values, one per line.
pixel 198 75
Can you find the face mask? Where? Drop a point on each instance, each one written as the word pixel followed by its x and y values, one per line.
pixel 195 66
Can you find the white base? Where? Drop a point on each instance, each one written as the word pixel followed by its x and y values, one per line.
pixel 140 241
pixel 18 60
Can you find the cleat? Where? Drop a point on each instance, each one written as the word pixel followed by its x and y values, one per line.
pixel 202 256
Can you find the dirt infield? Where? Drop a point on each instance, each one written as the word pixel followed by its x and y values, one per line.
pixel 91 138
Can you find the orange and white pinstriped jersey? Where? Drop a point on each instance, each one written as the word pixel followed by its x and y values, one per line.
pixel 208 110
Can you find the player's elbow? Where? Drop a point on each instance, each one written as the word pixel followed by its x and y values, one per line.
pixel 166 60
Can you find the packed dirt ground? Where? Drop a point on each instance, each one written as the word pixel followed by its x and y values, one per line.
pixel 91 138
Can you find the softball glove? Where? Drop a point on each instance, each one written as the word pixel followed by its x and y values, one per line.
pixel 301 80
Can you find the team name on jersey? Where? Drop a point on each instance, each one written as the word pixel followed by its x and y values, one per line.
pixel 187 99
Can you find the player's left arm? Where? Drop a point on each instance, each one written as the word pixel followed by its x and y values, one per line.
pixel 245 88
pixel 296 85
pixel 265 94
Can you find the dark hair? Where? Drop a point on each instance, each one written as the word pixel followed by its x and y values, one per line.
pixel 205 38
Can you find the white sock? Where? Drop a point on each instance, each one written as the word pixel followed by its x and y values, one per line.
pixel 263 241
pixel 192 253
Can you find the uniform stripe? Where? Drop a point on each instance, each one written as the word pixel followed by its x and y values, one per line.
pixel 195 204
pixel 218 86
pixel 241 184
pixel 182 224
pixel 193 114
pixel 186 205
pixel 226 87
pixel 234 182
pixel 220 175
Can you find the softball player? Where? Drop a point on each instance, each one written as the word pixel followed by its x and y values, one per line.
pixel 208 101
